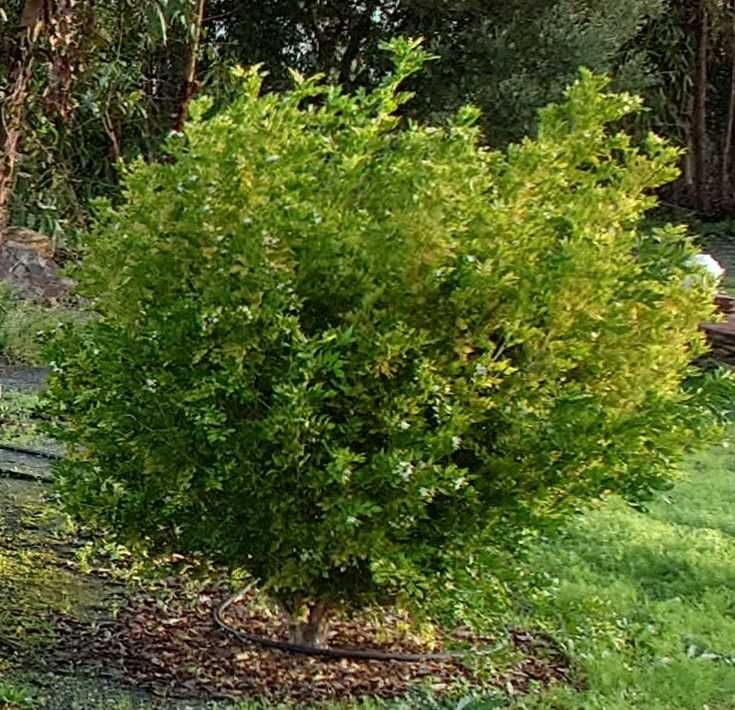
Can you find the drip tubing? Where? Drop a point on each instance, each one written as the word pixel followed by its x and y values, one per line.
pixel 362 654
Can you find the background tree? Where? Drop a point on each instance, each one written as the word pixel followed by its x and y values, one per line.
pixel 692 48
pixel 126 77
pixel 509 58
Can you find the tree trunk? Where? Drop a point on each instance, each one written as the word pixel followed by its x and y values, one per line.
pixel 726 177
pixel 190 82
pixel 33 18
pixel 311 631
pixel 358 34
pixel 700 112
pixel 688 166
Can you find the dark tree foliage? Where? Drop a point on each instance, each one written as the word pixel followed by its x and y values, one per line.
pixel 509 58
pixel 133 76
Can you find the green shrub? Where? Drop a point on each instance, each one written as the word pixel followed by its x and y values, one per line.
pixel 342 352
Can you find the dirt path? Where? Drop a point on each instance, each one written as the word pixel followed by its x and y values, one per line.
pixel 22 379
pixel 20 425
pixel 46 596
pixel 40 577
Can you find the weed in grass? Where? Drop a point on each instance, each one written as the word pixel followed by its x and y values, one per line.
pixel 13 697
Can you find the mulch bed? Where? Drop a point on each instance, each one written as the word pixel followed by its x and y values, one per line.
pixel 175 649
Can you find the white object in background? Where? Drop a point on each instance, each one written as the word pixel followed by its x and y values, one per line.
pixel 708 265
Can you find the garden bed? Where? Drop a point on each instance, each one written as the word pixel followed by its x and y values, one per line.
pixel 174 649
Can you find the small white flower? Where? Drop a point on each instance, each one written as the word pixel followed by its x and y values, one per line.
pixel 404 470
pixel 404 425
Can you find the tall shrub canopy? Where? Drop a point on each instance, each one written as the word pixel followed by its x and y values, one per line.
pixel 337 349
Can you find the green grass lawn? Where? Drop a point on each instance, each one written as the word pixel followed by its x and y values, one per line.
pixel 645 602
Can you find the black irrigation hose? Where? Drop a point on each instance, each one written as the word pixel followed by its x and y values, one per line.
pixel 362 654
pixel 23 476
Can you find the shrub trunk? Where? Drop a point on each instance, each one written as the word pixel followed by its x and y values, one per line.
pixel 309 630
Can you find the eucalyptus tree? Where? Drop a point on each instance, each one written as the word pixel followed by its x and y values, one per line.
pixel 83 85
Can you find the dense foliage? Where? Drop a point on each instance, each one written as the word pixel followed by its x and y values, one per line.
pixel 340 351
pixel 509 58
pixel 107 78
pixel 104 83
